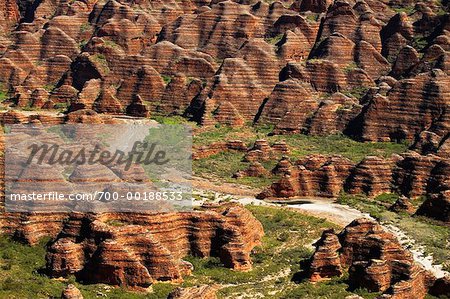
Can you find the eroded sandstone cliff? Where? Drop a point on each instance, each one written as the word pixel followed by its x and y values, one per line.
pixel 375 261
pixel 230 62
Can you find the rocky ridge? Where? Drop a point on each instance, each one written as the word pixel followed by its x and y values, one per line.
pixel 314 67
pixel 137 250
pixel 126 249
pixel 411 175
pixel 374 259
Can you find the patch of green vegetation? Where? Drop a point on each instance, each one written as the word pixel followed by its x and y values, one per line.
pixel 170 120
pixel 275 39
pixel 49 87
pixel 302 145
pixel 417 201
pixel 21 263
pixel 286 244
pixel 334 288
pixel 265 129
pixel 99 57
pixel 82 43
pixel 388 198
pixel 442 10
pixel 29 108
pixel 344 107
pixel 219 61
pixel 3 92
pixel 85 27
pixel 356 92
pixel 167 79
pixel 101 61
pixel 350 67
pixel 210 135
pixel 312 18
pixel 419 42
pixel 61 106
pixel 224 165
pixel 314 60
pixel 434 236
pixel 22 277
pixel 190 79
pixel 111 44
pixel 407 9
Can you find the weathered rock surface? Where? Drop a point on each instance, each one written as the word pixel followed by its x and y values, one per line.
pixel 326 262
pixel 234 62
pixel 437 206
pixel 410 175
pixel 9 13
pixel 218 147
pixel 200 292
pixel 315 175
pixel 263 151
pixel 441 287
pixel 413 172
pixel 372 176
pixel 384 118
pixel 403 205
pixel 375 261
pixel 71 292
pixel 255 169
pixel 136 250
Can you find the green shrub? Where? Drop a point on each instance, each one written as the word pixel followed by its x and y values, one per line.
pixel 407 9
pixel 350 67
pixel 167 79
pixel 275 39
pixel 111 44
pixel 85 27
pixel 61 106
pixel 3 92
pixel 101 61
pixel 356 92
pixel 419 42
pixel 389 198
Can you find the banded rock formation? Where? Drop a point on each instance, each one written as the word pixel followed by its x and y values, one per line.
pixel 218 147
pixel 384 118
pixel 314 175
pixel 231 62
pixel 260 151
pixel 375 261
pixel 255 169
pixel 200 292
pixel 71 292
pixel 136 250
pixel 372 176
pixel 410 175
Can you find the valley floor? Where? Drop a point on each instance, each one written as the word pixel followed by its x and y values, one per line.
pixel 279 264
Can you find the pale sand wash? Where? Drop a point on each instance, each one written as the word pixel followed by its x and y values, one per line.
pixel 336 213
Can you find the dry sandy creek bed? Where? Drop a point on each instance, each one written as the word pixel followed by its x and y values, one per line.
pixel 205 190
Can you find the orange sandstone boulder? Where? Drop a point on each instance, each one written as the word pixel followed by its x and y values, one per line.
pixel 136 250
pixel 375 261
